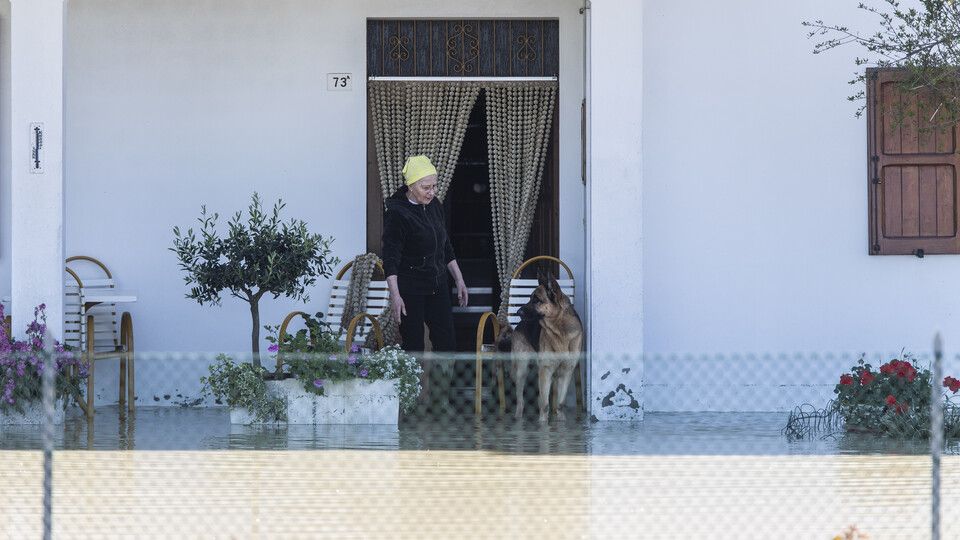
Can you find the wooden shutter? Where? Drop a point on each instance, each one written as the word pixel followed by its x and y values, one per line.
pixel 912 171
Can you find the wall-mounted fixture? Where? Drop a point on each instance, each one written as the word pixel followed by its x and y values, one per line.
pixel 36 148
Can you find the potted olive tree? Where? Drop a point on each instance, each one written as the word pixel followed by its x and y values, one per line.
pixel 256 256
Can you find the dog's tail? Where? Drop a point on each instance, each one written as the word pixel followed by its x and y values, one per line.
pixel 505 340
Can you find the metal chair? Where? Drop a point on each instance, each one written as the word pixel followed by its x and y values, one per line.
pixel 361 324
pixel 520 291
pixel 92 327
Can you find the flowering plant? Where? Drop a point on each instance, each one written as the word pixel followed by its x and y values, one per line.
pixel 395 363
pixel 22 363
pixel 313 356
pixel 852 533
pixel 316 338
pixel 242 386
pixel 893 400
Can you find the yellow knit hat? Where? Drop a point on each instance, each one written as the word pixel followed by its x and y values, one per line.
pixel 416 168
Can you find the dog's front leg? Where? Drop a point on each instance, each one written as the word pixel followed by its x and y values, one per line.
pixel 521 363
pixel 564 374
pixel 546 380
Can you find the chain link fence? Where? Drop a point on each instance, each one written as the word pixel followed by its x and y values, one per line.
pixel 369 446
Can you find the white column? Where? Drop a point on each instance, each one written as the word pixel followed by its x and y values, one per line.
pixel 36 88
pixel 614 235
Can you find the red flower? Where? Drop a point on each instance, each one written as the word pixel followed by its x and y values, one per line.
pixel 905 370
pixel 866 378
pixel 952 383
pixel 901 408
pixel 889 367
pixel 846 378
pixel 891 401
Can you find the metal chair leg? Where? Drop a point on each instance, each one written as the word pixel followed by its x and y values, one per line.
pixel 501 390
pixel 478 385
pixel 478 369
pixel 123 380
pixel 90 365
pixel 578 382
pixel 126 321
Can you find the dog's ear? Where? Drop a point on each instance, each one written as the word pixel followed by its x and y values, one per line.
pixel 543 278
pixel 554 284
pixel 551 290
pixel 554 290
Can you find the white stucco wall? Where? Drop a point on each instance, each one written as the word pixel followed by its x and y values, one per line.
pixel 754 199
pixel 755 195
pixel 36 161
pixel 171 105
pixel 5 148
pixel 615 236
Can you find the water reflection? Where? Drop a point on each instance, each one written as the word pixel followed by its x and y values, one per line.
pixel 168 428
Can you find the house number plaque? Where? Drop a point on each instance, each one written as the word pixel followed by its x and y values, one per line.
pixel 340 82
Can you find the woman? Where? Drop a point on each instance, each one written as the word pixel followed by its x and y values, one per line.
pixel 417 255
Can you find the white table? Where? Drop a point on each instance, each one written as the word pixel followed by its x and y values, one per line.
pixel 92 297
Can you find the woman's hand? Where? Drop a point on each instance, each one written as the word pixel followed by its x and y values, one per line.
pixel 462 293
pixel 396 301
pixel 454 268
pixel 398 307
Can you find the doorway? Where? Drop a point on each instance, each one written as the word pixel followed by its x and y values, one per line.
pixel 469 218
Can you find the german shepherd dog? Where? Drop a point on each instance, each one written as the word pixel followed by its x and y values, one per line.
pixel 550 332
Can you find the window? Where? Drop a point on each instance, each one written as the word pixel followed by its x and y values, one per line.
pixel 912 171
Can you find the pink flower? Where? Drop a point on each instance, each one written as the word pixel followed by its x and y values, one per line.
pixel 273 348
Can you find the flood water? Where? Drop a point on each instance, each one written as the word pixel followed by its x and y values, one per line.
pixel 187 473
pixel 174 428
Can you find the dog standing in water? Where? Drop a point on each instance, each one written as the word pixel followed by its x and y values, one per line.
pixel 549 331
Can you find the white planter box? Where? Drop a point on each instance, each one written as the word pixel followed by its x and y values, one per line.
pixel 32 414
pixel 354 401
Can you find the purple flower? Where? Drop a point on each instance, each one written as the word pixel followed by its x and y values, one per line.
pixel 355 348
pixel 364 372
pixel 352 359
pixel 273 348
pixel 318 383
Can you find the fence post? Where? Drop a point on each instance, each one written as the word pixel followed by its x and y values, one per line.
pixel 936 436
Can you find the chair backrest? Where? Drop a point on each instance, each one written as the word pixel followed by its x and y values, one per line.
pixel 84 274
pixel 377 298
pixel 521 289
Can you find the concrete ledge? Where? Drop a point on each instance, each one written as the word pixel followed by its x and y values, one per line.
pixel 354 401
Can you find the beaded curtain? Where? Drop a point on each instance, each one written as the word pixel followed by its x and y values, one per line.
pixel 414 118
pixel 519 118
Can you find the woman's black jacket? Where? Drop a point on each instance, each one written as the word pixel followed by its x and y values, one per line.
pixel 416 247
